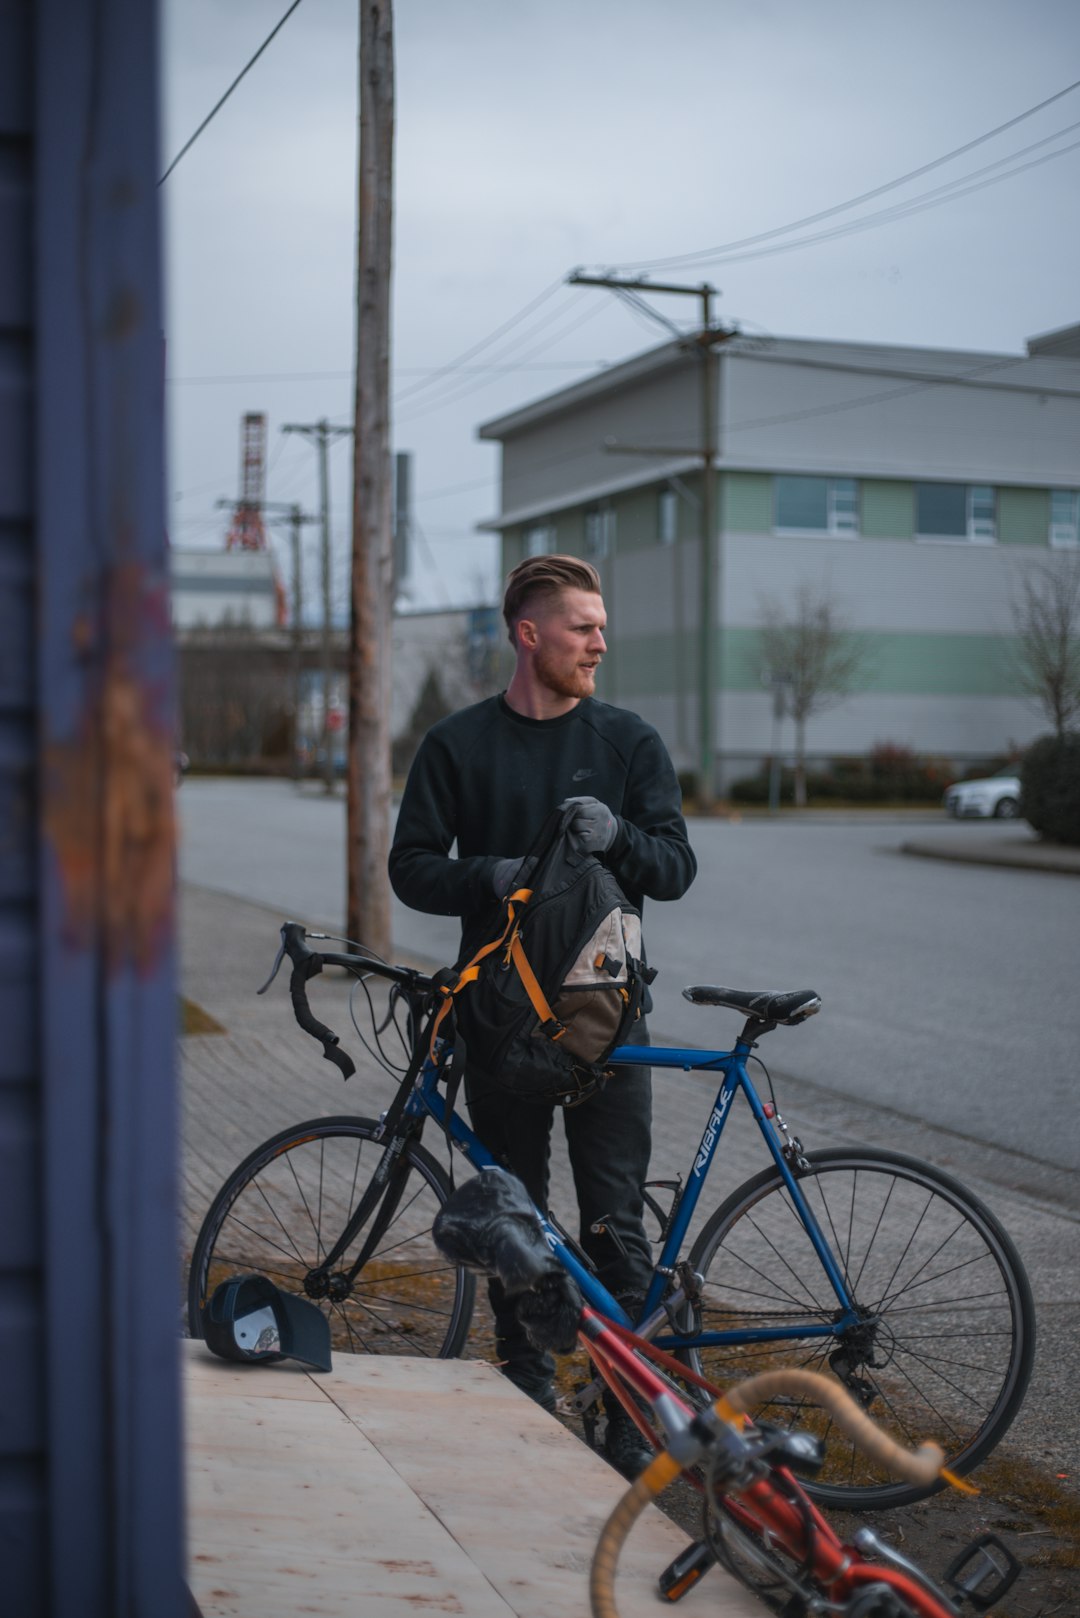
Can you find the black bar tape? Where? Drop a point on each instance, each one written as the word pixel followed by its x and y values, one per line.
pixel 310 966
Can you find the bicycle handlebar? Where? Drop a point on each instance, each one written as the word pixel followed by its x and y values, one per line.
pixel 918 1466
pixel 308 963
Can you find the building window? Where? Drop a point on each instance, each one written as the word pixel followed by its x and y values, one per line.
pixel 1064 518
pixel 956 511
pixel 599 533
pixel 539 539
pixel 667 516
pixel 817 506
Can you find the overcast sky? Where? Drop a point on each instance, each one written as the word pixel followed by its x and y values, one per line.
pixel 534 136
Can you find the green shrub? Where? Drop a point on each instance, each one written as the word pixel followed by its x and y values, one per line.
pixel 689 781
pixel 1050 787
pixel 754 789
pixel 889 774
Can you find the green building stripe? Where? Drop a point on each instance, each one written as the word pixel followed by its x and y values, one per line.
pixel 1023 516
pixel 886 509
pixel 746 502
pixel 896 664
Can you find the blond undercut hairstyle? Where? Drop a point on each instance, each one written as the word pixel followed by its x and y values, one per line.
pixel 541 577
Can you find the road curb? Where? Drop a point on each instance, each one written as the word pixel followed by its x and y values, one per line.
pixel 1057 862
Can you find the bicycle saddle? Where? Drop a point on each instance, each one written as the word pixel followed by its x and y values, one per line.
pixel 764 1005
pixel 489 1224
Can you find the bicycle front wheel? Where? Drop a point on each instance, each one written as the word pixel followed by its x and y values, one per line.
pixel 945 1340
pixel 280 1213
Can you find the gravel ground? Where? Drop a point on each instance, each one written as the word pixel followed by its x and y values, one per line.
pixel 1039 1522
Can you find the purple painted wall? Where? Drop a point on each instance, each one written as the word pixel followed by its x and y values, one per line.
pixel 90 1500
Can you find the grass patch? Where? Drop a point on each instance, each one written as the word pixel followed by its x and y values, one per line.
pixel 1033 1500
pixel 194 1020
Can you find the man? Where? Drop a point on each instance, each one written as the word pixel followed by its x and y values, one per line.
pixel 486 778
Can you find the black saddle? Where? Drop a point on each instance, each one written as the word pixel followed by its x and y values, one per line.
pixel 762 1005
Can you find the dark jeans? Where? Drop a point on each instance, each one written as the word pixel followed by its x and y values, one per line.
pixel 609 1141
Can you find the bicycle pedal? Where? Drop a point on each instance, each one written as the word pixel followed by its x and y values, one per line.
pixel 582 1402
pixel 684 1572
pixel 987 1557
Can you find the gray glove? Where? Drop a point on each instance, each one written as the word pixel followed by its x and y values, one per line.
pixel 593 824
pixel 508 873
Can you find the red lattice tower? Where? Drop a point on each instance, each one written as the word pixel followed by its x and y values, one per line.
pixel 246 532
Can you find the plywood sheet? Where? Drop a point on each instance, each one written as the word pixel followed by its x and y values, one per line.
pixel 398 1486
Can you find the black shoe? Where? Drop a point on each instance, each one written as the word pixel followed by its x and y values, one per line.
pixel 625 1446
pixel 542 1392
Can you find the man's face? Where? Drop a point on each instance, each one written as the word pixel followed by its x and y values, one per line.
pixel 568 642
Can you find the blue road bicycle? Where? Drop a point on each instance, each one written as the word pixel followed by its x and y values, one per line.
pixel 859 1261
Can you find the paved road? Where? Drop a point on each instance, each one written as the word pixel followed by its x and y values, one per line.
pixel 949 990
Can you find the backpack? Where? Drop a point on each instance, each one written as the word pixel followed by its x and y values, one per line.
pixel 558 984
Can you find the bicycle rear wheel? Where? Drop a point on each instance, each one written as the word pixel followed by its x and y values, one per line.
pixel 946 1338
pixel 281 1212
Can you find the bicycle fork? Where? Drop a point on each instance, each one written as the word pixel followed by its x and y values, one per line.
pixel 383 1192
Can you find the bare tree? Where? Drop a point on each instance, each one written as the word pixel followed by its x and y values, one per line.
pixel 1046 616
pixel 808 649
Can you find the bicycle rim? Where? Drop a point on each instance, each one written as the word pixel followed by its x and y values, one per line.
pixel 946 1341
pixel 281 1211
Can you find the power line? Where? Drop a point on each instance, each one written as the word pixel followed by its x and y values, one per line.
pixel 401 370
pixel 872 398
pixel 706 255
pixel 951 192
pixel 450 381
pixel 464 390
pixel 492 336
pixel 216 109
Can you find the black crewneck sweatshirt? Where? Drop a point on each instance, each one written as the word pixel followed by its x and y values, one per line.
pixel 487 778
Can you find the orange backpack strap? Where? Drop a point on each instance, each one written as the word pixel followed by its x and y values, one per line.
pixel 471 972
pixel 549 1023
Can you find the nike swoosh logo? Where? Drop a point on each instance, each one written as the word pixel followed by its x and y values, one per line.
pixel 582 775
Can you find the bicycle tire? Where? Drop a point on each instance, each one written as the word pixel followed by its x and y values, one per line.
pixel 280 1211
pixel 947 1342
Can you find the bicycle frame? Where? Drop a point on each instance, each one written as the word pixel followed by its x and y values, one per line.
pixel 732 1065
pixel 785 1517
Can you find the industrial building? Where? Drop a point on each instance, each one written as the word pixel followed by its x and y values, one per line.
pixel 910 486
pixel 223 589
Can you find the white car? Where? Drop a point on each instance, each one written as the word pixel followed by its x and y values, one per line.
pixel 998 796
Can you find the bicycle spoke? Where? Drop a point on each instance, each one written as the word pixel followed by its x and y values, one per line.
pixel 937 1341
pixel 279 1216
pixel 878 1227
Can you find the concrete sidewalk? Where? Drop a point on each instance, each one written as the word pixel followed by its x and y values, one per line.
pixel 262 1074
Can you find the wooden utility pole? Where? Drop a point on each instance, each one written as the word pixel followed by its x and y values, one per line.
pixel 368 774
pixel 322 435
pixel 709 594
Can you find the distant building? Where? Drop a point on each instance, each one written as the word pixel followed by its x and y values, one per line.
pixel 219 588
pixel 444 659
pixel 914 485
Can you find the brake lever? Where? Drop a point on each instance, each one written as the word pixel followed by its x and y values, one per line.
pixel 274 969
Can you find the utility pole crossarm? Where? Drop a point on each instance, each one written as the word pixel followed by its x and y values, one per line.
pixel 638 284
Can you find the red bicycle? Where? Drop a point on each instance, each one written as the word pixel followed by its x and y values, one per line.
pixel 757 1520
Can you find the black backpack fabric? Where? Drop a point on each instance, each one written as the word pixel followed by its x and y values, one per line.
pixel 559 982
